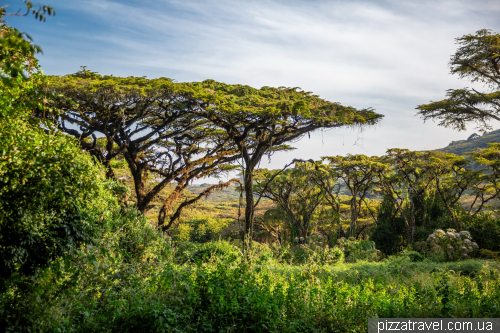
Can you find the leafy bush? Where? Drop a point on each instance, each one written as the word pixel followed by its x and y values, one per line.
pixel 200 230
pixel 359 249
pixel 488 254
pixel 184 251
pixel 412 256
pixel 137 240
pixel 447 246
pixel 53 198
pixel 316 253
pixel 389 234
pixel 259 253
pixel 220 250
pixel 485 230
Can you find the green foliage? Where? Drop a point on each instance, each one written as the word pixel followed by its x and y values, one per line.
pixel 358 173
pixel 16 48
pixel 221 250
pixel 200 229
pixel 295 192
pixel 218 296
pixel 389 233
pixel 412 256
pixel 355 250
pixel 485 230
pixel 206 229
pixel 126 245
pixel 136 239
pixel 52 198
pixel 488 254
pixel 313 254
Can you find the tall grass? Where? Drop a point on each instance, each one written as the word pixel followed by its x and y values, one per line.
pixel 136 280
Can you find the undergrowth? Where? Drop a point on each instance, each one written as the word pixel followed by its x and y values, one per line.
pixel 134 279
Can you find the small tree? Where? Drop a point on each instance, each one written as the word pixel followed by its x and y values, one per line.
pixel 405 179
pixel 296 193
pixel 358 173
pixel 330 182
pixel 488 186
pixel 453 176
pixel 51 198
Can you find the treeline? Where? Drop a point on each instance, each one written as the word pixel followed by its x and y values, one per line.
pixel 396 199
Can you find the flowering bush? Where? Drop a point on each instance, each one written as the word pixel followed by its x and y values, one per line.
pixel 447 246
pixel 359 249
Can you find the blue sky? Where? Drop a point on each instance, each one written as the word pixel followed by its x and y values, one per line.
pixel 389 55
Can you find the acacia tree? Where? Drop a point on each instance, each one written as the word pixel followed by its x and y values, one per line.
pixel 330 182
pixel 489 185
pixel 295 192
pixel 404 179
pixel 148 123
pixel 453 175
pixel 477 59
pixel 358 173
pixel 262 121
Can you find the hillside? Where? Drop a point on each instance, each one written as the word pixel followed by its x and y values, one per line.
pixel 472 143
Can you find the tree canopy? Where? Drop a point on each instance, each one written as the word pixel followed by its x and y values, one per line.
pixel 147 121
pixel 476 59
pixel 261 121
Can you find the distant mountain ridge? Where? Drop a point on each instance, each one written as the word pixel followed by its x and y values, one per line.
pixel 472 143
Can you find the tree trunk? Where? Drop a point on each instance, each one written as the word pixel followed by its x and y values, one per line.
pixel 341 231
pixel 400 209
pixel 450 210
pixel 139 177
pixel 412 231
pixel 249 209
pixel 354 215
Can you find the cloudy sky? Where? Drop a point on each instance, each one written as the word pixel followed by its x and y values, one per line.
pixel 389 55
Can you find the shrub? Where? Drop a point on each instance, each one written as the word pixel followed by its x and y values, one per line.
pixel 488 254
pixel 184 251
pixel 485 230
pixel 412 256
pixel 355 250
pixel 389 234
pixel 137 239
pixel 316 251
pixel 221 250
pixel 53 198
pixel 259 253
pixel 447 246
pixel 200 229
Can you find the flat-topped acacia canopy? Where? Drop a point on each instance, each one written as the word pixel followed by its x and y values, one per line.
pixel 257 120
pixel 148 123
pixel 247 121
pixel 477 59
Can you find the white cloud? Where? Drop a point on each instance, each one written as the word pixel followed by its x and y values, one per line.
pixel 391 55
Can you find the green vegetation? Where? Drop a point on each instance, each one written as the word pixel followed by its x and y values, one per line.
pixel 104 234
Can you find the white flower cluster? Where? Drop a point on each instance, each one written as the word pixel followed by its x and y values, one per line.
pixel 453 245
